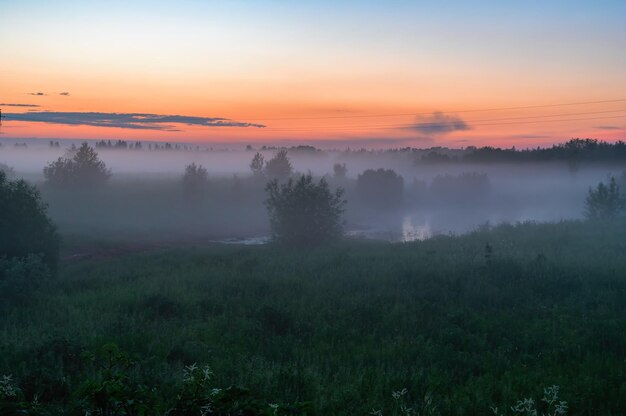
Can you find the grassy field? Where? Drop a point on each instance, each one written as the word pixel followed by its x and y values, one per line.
pixel 465 322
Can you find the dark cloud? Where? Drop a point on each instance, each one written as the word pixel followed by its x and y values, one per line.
pixel 138 121
pixel 438 124
pixel 65 93
pixel 609 127
pixel 18 105
pixel 39 94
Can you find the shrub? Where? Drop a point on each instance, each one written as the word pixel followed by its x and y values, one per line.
pixel 25 227
pixel 79 167
pixel 279 167
pixel 381 187
pixel 340 170
pixel 20 276
pixel 304 213
pixel 195 180
pixel 8 170
pixel 257 164
pixel 604 202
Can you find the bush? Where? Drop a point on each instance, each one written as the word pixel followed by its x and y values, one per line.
pixel 195 180
pixel 304 213
pixel 79 167
pixel 279 167
pixel 604 202
pixel 20 276
pixel 25 227
pixel 8 170
pixel 257 164
pixel 381 188
pixel 340 170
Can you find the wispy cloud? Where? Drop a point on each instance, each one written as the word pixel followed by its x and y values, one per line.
pixel 38 94
pixel 139 121
pixel 609 128
pixel 18 105
pixel 438 124
pixel 64 93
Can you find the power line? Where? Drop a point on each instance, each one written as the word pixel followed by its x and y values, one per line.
pixel 435 125
pixel 466 121
pixel 431 112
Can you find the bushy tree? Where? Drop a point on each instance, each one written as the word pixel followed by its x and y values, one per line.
pixel 195 180
pixel 279 167
pixel 8 170
pixel 304 213
pixel 79 167
pixel 340 170
pixel 257 164
pixel 604 202
pixel 25 227
pixel 380 187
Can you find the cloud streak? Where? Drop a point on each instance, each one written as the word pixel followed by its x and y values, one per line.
pixel 18 105
pixel 38 94
pixel 609 128
pixel 137 121
pixel 438 124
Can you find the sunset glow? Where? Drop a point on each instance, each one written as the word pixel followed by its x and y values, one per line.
pixel 360 74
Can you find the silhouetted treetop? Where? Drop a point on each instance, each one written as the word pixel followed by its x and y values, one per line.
pixel 279 167
pixel 25 227
pixel 304 213
pixel 79 167
pixel 604 202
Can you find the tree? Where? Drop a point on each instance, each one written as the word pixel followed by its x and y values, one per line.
pixel 604 202
pixel 304 213
pixel 8 170
pixel 25 227
pixel 195 180
pixel 279 167
pixel 79 167
pixel 381 187
pixel 257 164
pixel 340 170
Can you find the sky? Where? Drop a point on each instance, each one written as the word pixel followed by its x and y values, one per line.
pixel 325 73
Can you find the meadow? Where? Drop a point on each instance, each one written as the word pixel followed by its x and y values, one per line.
pixel 462 323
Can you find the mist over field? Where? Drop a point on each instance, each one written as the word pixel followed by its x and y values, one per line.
pixel 144 198
pixel 312 208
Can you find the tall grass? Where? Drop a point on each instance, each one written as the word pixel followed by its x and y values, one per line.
pixel 345 325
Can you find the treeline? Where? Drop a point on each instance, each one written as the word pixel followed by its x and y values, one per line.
pixel 125 145
pixel 575 150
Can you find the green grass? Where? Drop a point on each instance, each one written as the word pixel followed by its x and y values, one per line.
pixel 344 326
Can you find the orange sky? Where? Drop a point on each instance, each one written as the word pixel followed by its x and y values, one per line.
pixel 318 73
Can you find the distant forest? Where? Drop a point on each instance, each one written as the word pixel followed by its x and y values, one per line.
pixel 572 151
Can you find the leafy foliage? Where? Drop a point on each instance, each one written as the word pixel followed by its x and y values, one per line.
pixel 550 405
pixel 604 202
pixel 79 167
pixel 19 276
pixel 340 170
pixel 195 180
pixel 257 164
pixel 25 227
pixel 7 170
pixel 279 167
pixel 380 187
pixel 304 213
pixel 460 326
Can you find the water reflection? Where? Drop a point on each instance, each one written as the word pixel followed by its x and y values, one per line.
pixel 412 231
